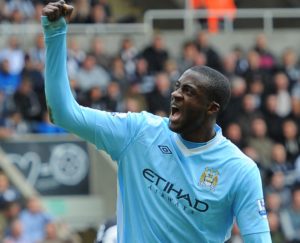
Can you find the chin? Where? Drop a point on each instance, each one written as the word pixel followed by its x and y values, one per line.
pixel 174 128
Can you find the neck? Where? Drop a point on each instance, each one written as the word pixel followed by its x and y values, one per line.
pixel 200 136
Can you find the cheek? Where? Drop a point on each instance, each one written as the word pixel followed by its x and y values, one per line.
pixel 194 117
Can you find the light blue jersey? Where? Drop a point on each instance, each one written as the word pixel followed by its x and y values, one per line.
pixel 170 190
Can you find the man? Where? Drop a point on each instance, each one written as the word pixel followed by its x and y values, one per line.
pixel 180 180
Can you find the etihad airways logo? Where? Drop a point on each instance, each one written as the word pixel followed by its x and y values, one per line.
pixel 172 194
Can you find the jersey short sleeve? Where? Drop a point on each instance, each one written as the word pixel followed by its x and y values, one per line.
pixel 263 237
pixel 115 131
pixel 249 207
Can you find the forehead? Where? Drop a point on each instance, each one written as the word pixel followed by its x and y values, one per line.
pixel 192 77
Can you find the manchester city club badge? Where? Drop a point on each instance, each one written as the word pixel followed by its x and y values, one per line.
pixel 209 178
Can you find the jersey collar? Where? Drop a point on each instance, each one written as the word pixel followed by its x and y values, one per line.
pixel 191 148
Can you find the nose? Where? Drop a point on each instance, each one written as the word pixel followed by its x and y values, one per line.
pixel 177 94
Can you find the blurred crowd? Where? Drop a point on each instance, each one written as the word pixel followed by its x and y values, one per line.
pixel 29 11
pixel 262 118
pixel 25 221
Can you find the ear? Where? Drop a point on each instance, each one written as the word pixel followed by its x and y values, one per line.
pixel 213 108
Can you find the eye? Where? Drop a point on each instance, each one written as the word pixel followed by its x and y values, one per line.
pixel 176 86
pixel 188 90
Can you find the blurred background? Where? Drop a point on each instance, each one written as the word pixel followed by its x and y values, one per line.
pixel 125 55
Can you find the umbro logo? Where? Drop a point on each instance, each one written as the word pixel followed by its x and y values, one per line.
pixel 164 149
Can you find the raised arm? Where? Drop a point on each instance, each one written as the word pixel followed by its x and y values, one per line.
pixel 63 108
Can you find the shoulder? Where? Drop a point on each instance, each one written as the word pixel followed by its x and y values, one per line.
pixel 236 158
pixel 148 124
pixel 153 120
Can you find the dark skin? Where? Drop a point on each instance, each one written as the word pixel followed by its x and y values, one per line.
pixel 193 113
pixel 55 10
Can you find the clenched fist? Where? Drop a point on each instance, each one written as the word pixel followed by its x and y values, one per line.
pixel 54 10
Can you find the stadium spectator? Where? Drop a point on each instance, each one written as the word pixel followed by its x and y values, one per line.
pixel 249 111
pixel 34 220
pixel 279 159
pixel 234 133
pixel 229 65
pixel 114 98
pixel 118 73
pixel 6 104
pixel 277 184
pixel 254 71
pixel 159 99
pixel 275 228
pixel 107 232
pixel 238 90
pixel 128 53
pixel 94 98
pixel 272 119
pixel 253 154
pixel 106 6
pixel 273 202
pixel 204 46
pixel 98 49
pixel 156 54
pixel 38 7
pixel 82 10
pixel 27 101
pixel 281 83
pixel 290 217
pixel 90 75
pixel 9 82
pixel 14 54
pixel 16 234
pixel 7 216
pixel 37 53
pixel 141 77
pixel 15 123
pixel 8 194
pixel 24 8
pixel 2 12
pixel 290 66
pixel 59 233
pixel 295 97
pixel 260 141
pixel 241 61
pixel 267 61
pixel 291 141
pixel 35 75
pixel 257 89
pixel 187 57
pixel 46 127
pixel 200 59
pixel 76 56
pixel 171 69
pixel 97 15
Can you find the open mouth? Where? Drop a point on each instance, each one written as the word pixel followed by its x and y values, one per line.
pixel 175 114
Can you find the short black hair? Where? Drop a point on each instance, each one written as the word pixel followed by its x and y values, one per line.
pixel 217 85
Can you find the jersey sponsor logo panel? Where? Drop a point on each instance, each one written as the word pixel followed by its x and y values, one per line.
pixel 174 194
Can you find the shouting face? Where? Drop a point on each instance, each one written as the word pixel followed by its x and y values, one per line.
pixel 192 109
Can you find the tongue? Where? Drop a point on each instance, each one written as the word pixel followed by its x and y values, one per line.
pixel 175 116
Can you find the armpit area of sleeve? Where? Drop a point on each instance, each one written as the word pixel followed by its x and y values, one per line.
pixel 53 28
pixel 262 237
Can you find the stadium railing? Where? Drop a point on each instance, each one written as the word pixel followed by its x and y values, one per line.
pixel 188 16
